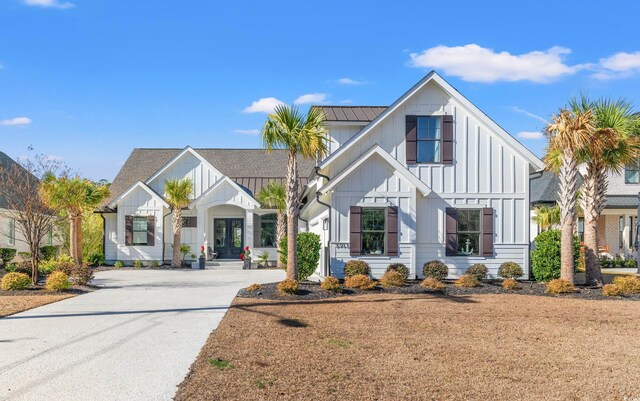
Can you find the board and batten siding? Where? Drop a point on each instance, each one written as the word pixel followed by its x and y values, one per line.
pixel 340 133
pixel 487 172
pixel 188 166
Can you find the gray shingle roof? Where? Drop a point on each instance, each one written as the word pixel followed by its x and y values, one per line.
pixel 544 189
pixel 363 114
pixel 250 168
pixel 6 162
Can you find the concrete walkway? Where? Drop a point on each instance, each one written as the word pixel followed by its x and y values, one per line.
pixel 135 339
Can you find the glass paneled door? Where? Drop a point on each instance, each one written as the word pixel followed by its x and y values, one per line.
pixel 228 235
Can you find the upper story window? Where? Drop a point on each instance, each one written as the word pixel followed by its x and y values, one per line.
pixel 428 138
pixel 632 174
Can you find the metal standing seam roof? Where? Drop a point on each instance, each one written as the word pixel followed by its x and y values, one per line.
pixel 364 114
pixel 252 169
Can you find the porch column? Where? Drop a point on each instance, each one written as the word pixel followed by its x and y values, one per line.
pixel 248 230
pixel 201 232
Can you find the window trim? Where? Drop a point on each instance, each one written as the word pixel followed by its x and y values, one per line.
pixel 193 221
pixel 384 231
pixel 439 140
pixel 480 231
pixel 621 232
pixel 134 231
pixel 636 169
pixel 11 232
pixel 631 232
pixel 269 219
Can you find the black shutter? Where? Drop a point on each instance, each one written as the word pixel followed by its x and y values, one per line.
pixel 151 231
pixel 451 231
pixel 447 139
pixel 257 239
pixel 355 231
pixel 392 231
pixel 128 230
pixel 487 231
pixel 411 127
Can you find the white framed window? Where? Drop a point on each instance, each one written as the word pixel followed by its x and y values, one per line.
pixel 428 139
pixel 632 174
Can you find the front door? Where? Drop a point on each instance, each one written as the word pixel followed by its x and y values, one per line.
pixel 228 237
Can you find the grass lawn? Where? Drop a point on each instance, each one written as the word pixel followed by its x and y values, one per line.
pixel 23 300
pixel 421 347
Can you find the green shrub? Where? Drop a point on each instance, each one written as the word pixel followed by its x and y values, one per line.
pixel 154 263
pixel 48 252
pixel 47 267
pixel 435 269
pixel 479 271
pixel 560 286
pixel 331 283
pixel 138 264
pixel 433 283
pixel 605 262
pixel 10 267
pixel 62 262
pixel 510 270
pixel 467 281
pixel 392 278
pixel 184 250
pixel 545 257
pixel 118 264
pixel 360 281
pixel 308 252
pixel 6 256
pixel 288 287
pixel 78 274
pixel 631 263
pixel 355 267
pixel 400 268
pixel 57 281
pixel 96 259
pixel 15 281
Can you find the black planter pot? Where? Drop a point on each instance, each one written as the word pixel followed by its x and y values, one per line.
pixel 247 264
pixel 201 262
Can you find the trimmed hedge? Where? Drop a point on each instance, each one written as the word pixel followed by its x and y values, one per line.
pixel 400 268
pixel 510 270
pixel 356 267
pixel 545 257
pixel 308 253
pixel 15 281
pixel 6 256
pixel 435 269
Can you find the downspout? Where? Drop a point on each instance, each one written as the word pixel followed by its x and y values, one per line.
pixel 328 261
pixel 164 218
pixel 532 176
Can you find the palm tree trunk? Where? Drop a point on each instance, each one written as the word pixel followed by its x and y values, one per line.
pixel 79 238
pixel 594 190
pixel 73 235
pixel 177 231
pixel 281 232
pixel 568 178
pixel 292 216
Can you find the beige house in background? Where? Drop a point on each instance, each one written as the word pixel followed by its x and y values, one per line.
pixel 617 224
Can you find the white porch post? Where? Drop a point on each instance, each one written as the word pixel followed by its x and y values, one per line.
pixel 248 232
pixel 201 231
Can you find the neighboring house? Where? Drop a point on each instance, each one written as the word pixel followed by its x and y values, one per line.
pixel 10 235
pixel 224 215
pixel 617 223
pixel 428 177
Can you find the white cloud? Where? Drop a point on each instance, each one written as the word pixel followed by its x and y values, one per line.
pixel 263 105
pixel 317 98
pixel 16 121
pixel 49 3
pixel 247 131
pixel 478 64
pixel 346 101
pixel 530 135
pixel 529 114
pixel 350 81
pixel 620 65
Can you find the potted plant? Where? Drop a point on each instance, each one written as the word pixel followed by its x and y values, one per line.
pixel 246 258
pixel 184 250
pixel 202 260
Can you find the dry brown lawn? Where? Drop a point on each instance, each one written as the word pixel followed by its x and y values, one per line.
pixel 10 304
pixel 422 347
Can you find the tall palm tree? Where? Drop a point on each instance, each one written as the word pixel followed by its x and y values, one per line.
pixel 547 217
pixel 610 146
pixel 74 196
pixel 274 196
pixel 287 128
pixel 178 194
pixel 566 134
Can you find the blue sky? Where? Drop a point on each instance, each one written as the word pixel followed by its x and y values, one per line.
pixel 89 80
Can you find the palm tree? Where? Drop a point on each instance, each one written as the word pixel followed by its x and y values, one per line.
pixel 274 196
pixel 547 217
pixel 610 146
pixel 566 134
pixel 73 196
pixel 177 193
pixel 286 128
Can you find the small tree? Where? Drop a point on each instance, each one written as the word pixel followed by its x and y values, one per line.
pixel 546 217
pixel 178 193
pixel 19 187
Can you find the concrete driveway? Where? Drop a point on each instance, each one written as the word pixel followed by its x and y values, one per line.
pixel 135 339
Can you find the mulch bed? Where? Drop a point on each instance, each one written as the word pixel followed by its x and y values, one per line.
pixel 383 346
pixel 312 291
pixel 18 301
